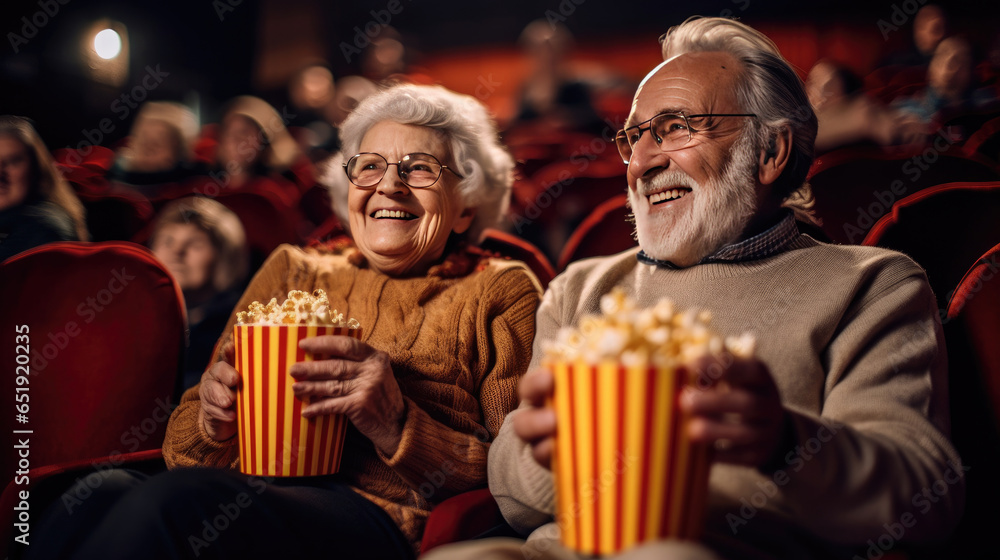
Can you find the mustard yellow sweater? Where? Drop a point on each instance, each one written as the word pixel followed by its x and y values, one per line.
pixel 457 347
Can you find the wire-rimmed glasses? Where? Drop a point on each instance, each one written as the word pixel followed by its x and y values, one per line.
pixel 416 170
pixel 671 131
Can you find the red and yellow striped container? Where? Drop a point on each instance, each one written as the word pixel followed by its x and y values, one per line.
pixel 274 438
pixel 624 468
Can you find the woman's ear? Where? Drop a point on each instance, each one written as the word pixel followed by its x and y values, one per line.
pixel 774 157
pixel 464 220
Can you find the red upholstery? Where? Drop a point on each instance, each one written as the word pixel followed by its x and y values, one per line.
pixel 86 169
pixel 566 192
pixel 976 302
pixel 854 187
pixel 508 245
pixel 106 329
pixel 329 229
pixel 972 329
pixel 315 205
pixel 606 231
pixel 943 228
pixel 469 515
pixel 985 141
pixel 268 222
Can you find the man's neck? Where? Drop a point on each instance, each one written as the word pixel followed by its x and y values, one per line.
pixel 761 222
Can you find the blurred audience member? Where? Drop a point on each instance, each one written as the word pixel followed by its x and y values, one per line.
pixel 203 245
pixel 384 60
pixel 930 27
pixel 387 62
pixel 550 96
pixel 312 93
pixel 255 147
pixel 951 85
pixel 848 116
pixel 160 146
pixel 37 205
pixel 351 90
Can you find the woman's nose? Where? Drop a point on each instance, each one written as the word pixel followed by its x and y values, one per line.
pixel 391 182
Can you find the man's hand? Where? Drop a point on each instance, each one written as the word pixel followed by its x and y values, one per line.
pixel 735 406
pixel 536 423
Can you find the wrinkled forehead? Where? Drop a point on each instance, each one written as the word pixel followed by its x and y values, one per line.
pixel 700 82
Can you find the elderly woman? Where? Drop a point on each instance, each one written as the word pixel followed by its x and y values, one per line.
pixel 447 333
pixel 37 205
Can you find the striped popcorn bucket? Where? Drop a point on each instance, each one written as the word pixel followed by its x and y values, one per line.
pixel 274 438
pixel 625 470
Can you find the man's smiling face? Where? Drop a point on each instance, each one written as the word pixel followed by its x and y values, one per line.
pixel 690 202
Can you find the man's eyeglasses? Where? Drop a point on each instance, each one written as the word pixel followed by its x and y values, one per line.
pixel 671 131
pixel 417 170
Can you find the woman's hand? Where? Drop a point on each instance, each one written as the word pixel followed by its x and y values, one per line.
pixel 351 378
pixel 735 406
pixel 218 396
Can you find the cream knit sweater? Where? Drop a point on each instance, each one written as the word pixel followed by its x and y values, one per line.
pixel 852 337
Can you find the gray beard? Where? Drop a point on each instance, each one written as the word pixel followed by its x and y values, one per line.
pixel 723 208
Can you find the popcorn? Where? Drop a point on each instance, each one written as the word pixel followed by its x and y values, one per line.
pixel 661 335
pixel 300 308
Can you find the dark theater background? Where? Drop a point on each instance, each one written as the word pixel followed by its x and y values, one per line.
pixel 203 52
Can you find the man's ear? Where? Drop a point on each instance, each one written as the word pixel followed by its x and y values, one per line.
pixel 774 157
pixel 464 220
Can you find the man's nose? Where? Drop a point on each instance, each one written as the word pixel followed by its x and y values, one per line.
pixel 647 156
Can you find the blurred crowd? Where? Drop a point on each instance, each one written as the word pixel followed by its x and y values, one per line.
pixel 212 199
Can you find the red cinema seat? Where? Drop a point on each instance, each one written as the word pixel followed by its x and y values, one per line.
pixel 972 329
pixel 516 248
pixel 943 228
pixel 985 141
pixel 101 328
pixel 606 231
pixel 854 187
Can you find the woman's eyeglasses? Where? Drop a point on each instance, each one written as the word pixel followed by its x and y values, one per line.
pixel 417 170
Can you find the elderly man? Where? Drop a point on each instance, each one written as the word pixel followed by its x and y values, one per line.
pixel 832 441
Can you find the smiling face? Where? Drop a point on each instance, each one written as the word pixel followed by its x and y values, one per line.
pixel 15 171
pixel 690 202
pixel 399 229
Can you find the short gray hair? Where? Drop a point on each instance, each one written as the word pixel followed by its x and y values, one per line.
pixel 770 89
pixel 476 150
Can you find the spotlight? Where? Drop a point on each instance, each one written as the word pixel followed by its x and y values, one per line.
pixel 108 44
pixel 106 52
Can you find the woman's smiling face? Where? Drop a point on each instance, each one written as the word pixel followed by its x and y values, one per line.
pixel 403 230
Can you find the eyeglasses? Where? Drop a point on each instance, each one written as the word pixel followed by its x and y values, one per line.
pixel 417 170
pixel 672 131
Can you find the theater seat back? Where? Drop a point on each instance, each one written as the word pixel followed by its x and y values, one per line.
pixel 97 333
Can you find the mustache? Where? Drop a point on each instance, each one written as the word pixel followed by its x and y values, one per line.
pixel 664 179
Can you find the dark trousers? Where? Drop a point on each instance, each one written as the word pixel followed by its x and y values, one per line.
pixel 214 513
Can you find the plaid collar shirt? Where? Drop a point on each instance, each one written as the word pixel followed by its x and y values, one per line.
pixel 762 245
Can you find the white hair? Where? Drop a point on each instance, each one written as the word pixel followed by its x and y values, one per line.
pixel 770 89
pixel 478 155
